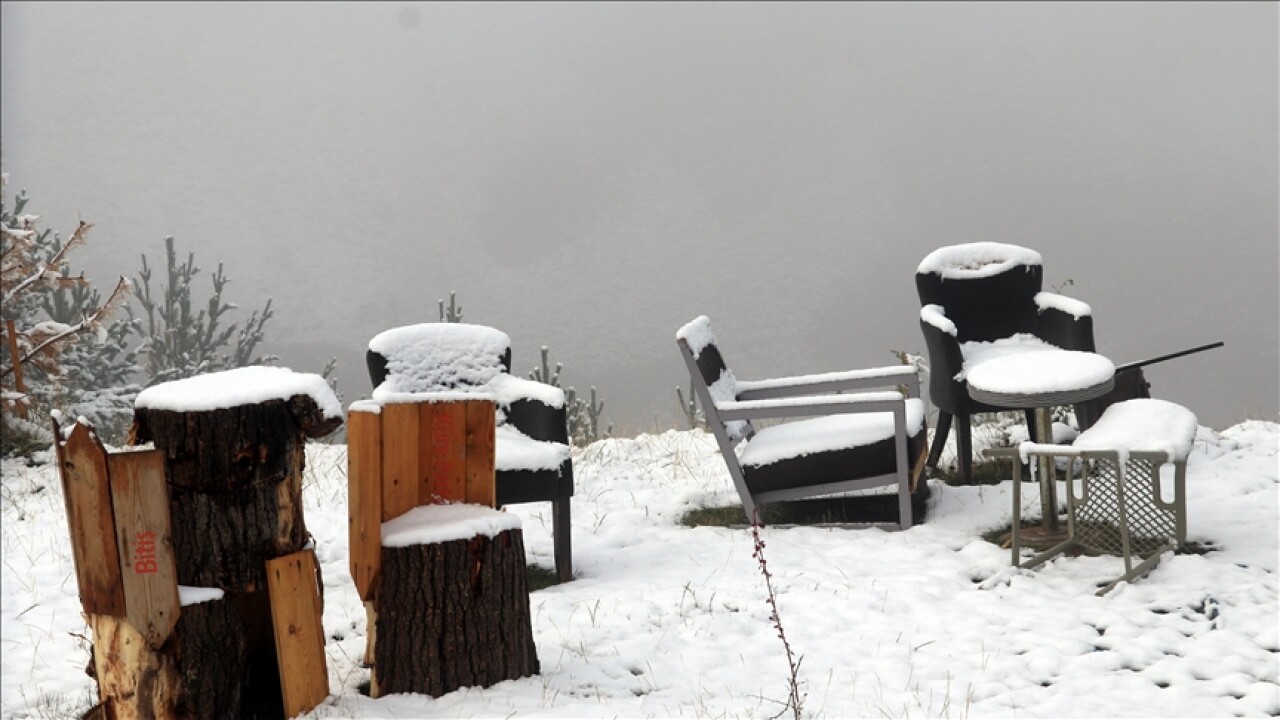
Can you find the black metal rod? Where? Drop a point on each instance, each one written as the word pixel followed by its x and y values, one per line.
pixel 1170 356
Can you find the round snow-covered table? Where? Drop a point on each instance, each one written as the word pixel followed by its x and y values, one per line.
pixel 1040 380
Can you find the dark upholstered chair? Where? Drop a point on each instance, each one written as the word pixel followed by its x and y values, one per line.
pixel 981 301
pixel 531 441
pixel 853 441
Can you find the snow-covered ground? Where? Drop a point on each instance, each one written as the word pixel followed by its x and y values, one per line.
pixel 669 621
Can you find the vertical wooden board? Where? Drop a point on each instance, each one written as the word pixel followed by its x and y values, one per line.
pixel 87 492
pixel 480 447
pixel 57 441
pixel 299 634
pixel 442 452
pixel 148 570
pixel 364 499
pixel 399 459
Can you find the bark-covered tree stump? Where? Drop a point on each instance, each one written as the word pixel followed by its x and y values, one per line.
pixel 452 608
pixel 235 485
pixel 196 674
pixel 233 448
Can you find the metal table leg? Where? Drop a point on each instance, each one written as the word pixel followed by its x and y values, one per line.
pixel 1050 530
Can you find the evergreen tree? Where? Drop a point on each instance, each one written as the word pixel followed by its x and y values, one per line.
pixel 181 339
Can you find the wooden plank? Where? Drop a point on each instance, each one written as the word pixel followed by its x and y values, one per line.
pixel 442 452
pixel 148 570
pixel 299 634
pixel 364 500
pixel 480 445
pixel 87 492
pixel 399 459
pixel 58 443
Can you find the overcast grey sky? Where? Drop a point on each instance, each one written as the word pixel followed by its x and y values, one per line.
pixel 590 177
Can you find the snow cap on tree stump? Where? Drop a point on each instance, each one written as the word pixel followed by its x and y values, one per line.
pixel 310 399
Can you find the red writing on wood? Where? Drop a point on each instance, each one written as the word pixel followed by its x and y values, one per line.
pixel 144 556
pixel 440 432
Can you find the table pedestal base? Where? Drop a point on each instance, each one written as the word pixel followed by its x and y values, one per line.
pixel 1048 477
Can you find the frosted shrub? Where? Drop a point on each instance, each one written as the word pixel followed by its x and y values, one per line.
pixel 60 350
pixel 582 416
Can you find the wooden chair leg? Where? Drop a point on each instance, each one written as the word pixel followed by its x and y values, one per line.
pixel 563 543
pixel 964 448
pixel 939 439
pixel 1031 423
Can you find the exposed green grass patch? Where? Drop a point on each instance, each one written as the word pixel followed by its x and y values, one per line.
pixel 1000 537
pixel 539 577
pixel 814 511
pixel 982 473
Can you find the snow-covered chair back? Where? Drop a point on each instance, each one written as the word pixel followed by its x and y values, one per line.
pixel 988 289
pixel 437 357
pixel 697 339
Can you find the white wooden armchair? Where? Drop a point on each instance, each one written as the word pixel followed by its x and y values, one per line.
pixel 851 442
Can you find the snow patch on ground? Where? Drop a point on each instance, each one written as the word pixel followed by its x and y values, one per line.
pixel 669 621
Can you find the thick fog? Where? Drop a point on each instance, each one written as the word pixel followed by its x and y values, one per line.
pixel 591 177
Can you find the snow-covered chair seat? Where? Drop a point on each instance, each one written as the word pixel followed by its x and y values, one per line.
pixel 857 441
pixel 1119 504
pixel 981 301
pixel 531 452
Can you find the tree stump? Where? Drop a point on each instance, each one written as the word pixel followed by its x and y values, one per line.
pixel 452 608
pixel 235 485
pixel 233 480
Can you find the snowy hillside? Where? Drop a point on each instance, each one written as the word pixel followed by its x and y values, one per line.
pixel 670 621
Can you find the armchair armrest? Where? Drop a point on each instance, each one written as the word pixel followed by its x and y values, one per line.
pixel 535 409
pixel 509 389
pixel 886 401
pixel 1071 306
pixel 800 385
pixel 946 361
pixel 1064 322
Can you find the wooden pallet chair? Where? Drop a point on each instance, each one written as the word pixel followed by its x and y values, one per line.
pixel 533 461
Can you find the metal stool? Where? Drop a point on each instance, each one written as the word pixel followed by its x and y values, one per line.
pixel 1116 506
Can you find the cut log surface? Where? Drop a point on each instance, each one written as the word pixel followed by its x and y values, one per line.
pixel 451 615
pixel 235 487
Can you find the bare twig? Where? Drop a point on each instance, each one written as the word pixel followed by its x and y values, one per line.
pixel 91 322
pixel 795 699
